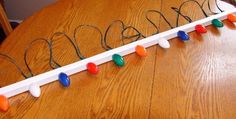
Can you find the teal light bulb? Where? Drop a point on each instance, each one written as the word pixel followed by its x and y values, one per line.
pixel 217 23
pixel 118 60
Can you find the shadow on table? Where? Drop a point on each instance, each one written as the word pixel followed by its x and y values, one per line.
pixel 2 34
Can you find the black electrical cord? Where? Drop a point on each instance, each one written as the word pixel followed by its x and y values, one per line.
pixel 123 37
pixel 89 26
pixel 51 60
pixel 103 40
pixel 178 10
pixel 70 40
pixel 155 11
pixel 209 6
pixel 104 43
pixel 138 35
pixel 11 60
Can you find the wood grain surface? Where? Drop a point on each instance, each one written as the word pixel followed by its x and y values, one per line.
pixel 192 80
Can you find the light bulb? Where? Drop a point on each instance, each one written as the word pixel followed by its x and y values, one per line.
pixel 64 79
pixel 118 60
pixel 92 68
pixel 183 35
pixel 164 43
pixel 200 28
pixel 231 17
pixel 4 103
pixel 141 51
pixel 35 90
pixel 217 23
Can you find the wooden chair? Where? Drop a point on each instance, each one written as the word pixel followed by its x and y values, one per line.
pixel 4 21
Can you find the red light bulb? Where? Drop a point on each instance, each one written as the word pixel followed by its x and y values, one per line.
pixel 92 68
pixel 200 29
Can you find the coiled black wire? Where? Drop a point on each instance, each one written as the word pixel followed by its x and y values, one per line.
pixel 11 60
pixel 103 40
pixel 178 10
pixel 158 12
pixel 93 27
pixel 53 64
pixel 71 42
pixel 123 37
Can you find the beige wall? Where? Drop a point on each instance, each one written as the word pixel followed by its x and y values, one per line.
pixel 21 9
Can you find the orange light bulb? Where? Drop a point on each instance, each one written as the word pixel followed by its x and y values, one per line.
pixel 4 104
pixel 231 17
pixel 141 51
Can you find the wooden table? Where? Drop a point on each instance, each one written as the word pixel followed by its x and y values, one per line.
pixel 196 79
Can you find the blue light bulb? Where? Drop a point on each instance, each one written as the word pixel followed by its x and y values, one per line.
pixel 64 79
pixel 183 36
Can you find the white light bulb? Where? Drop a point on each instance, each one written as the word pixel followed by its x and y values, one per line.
pixel 164 43
pixel 35 90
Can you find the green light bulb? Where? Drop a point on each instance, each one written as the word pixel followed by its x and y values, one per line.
pixel 217 23
pixel 118 60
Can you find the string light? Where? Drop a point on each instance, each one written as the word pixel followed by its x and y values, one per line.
pixel 4 103
pixel 200 28
pixel 217 23
pixel 231 17
pixel 141 51
pixel 164 43
pixel 92 68
pixel 183 35
pixel 35 90
pixel 118 60
pixel 64 79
